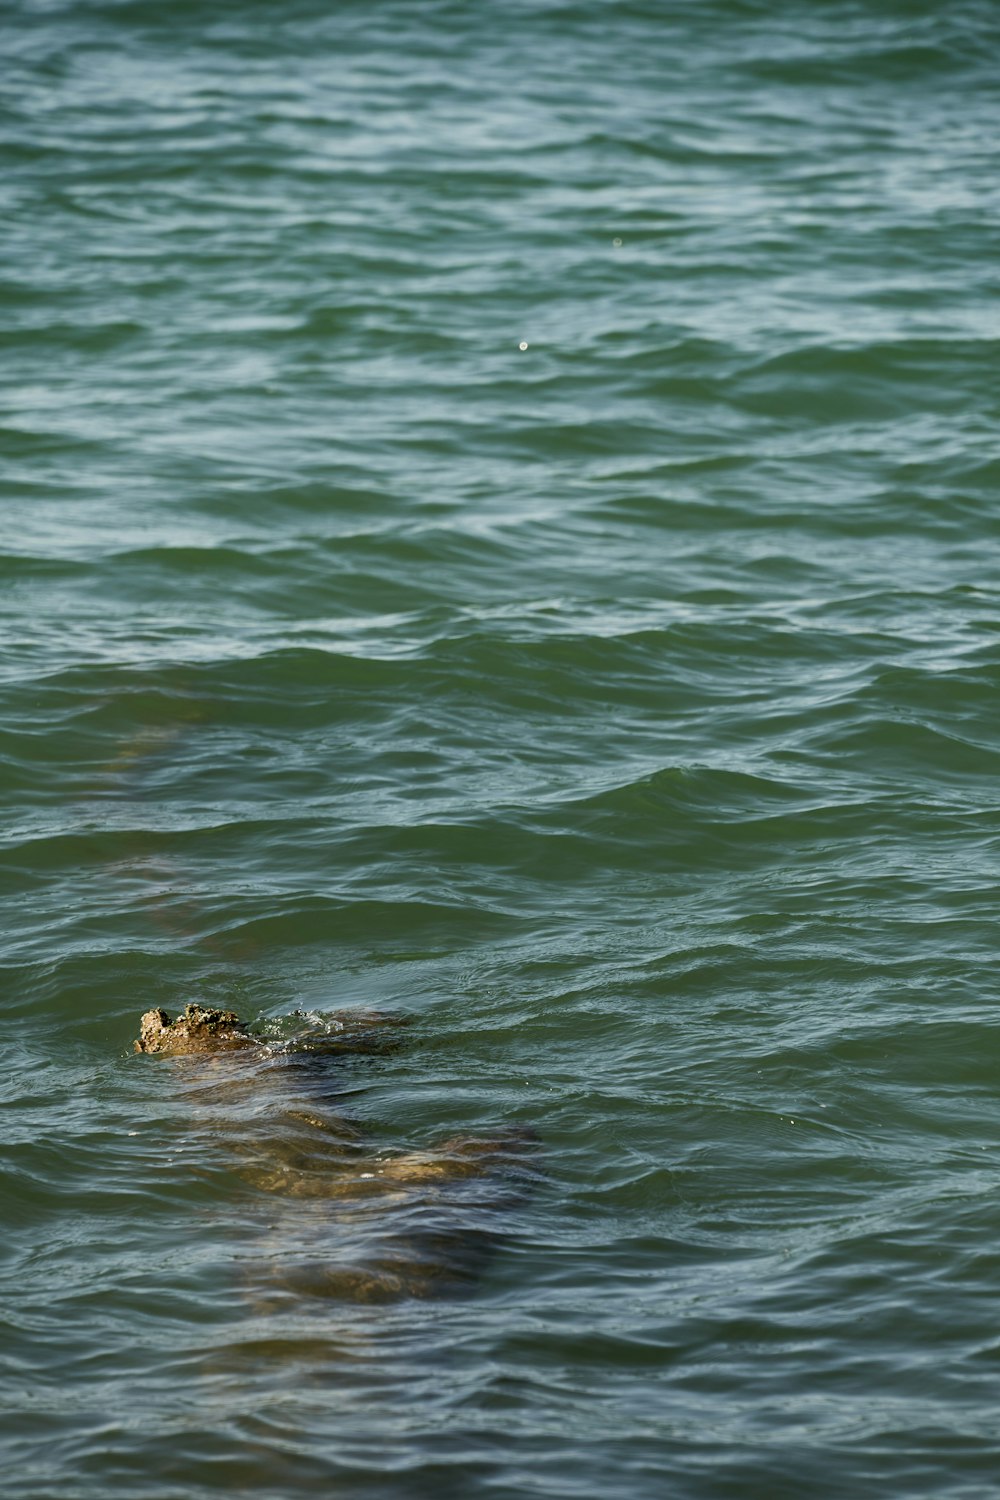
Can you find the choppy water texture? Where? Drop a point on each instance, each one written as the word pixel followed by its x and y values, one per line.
pixel 500 527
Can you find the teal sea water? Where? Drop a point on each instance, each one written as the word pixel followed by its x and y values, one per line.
pixel 500 527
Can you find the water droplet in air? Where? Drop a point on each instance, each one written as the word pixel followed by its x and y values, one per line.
pixel 522 344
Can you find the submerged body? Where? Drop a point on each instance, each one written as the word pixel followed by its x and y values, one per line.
pixel 425 1218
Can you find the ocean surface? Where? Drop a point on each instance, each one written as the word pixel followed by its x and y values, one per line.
pixel 500 530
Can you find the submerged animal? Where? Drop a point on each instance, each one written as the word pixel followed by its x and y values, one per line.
pixel 365 1224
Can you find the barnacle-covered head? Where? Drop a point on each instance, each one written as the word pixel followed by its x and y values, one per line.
pixel 199 1029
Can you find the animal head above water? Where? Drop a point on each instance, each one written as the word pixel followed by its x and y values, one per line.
pixel 199 1029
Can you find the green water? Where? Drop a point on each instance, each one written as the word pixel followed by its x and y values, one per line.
pixel 500 526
